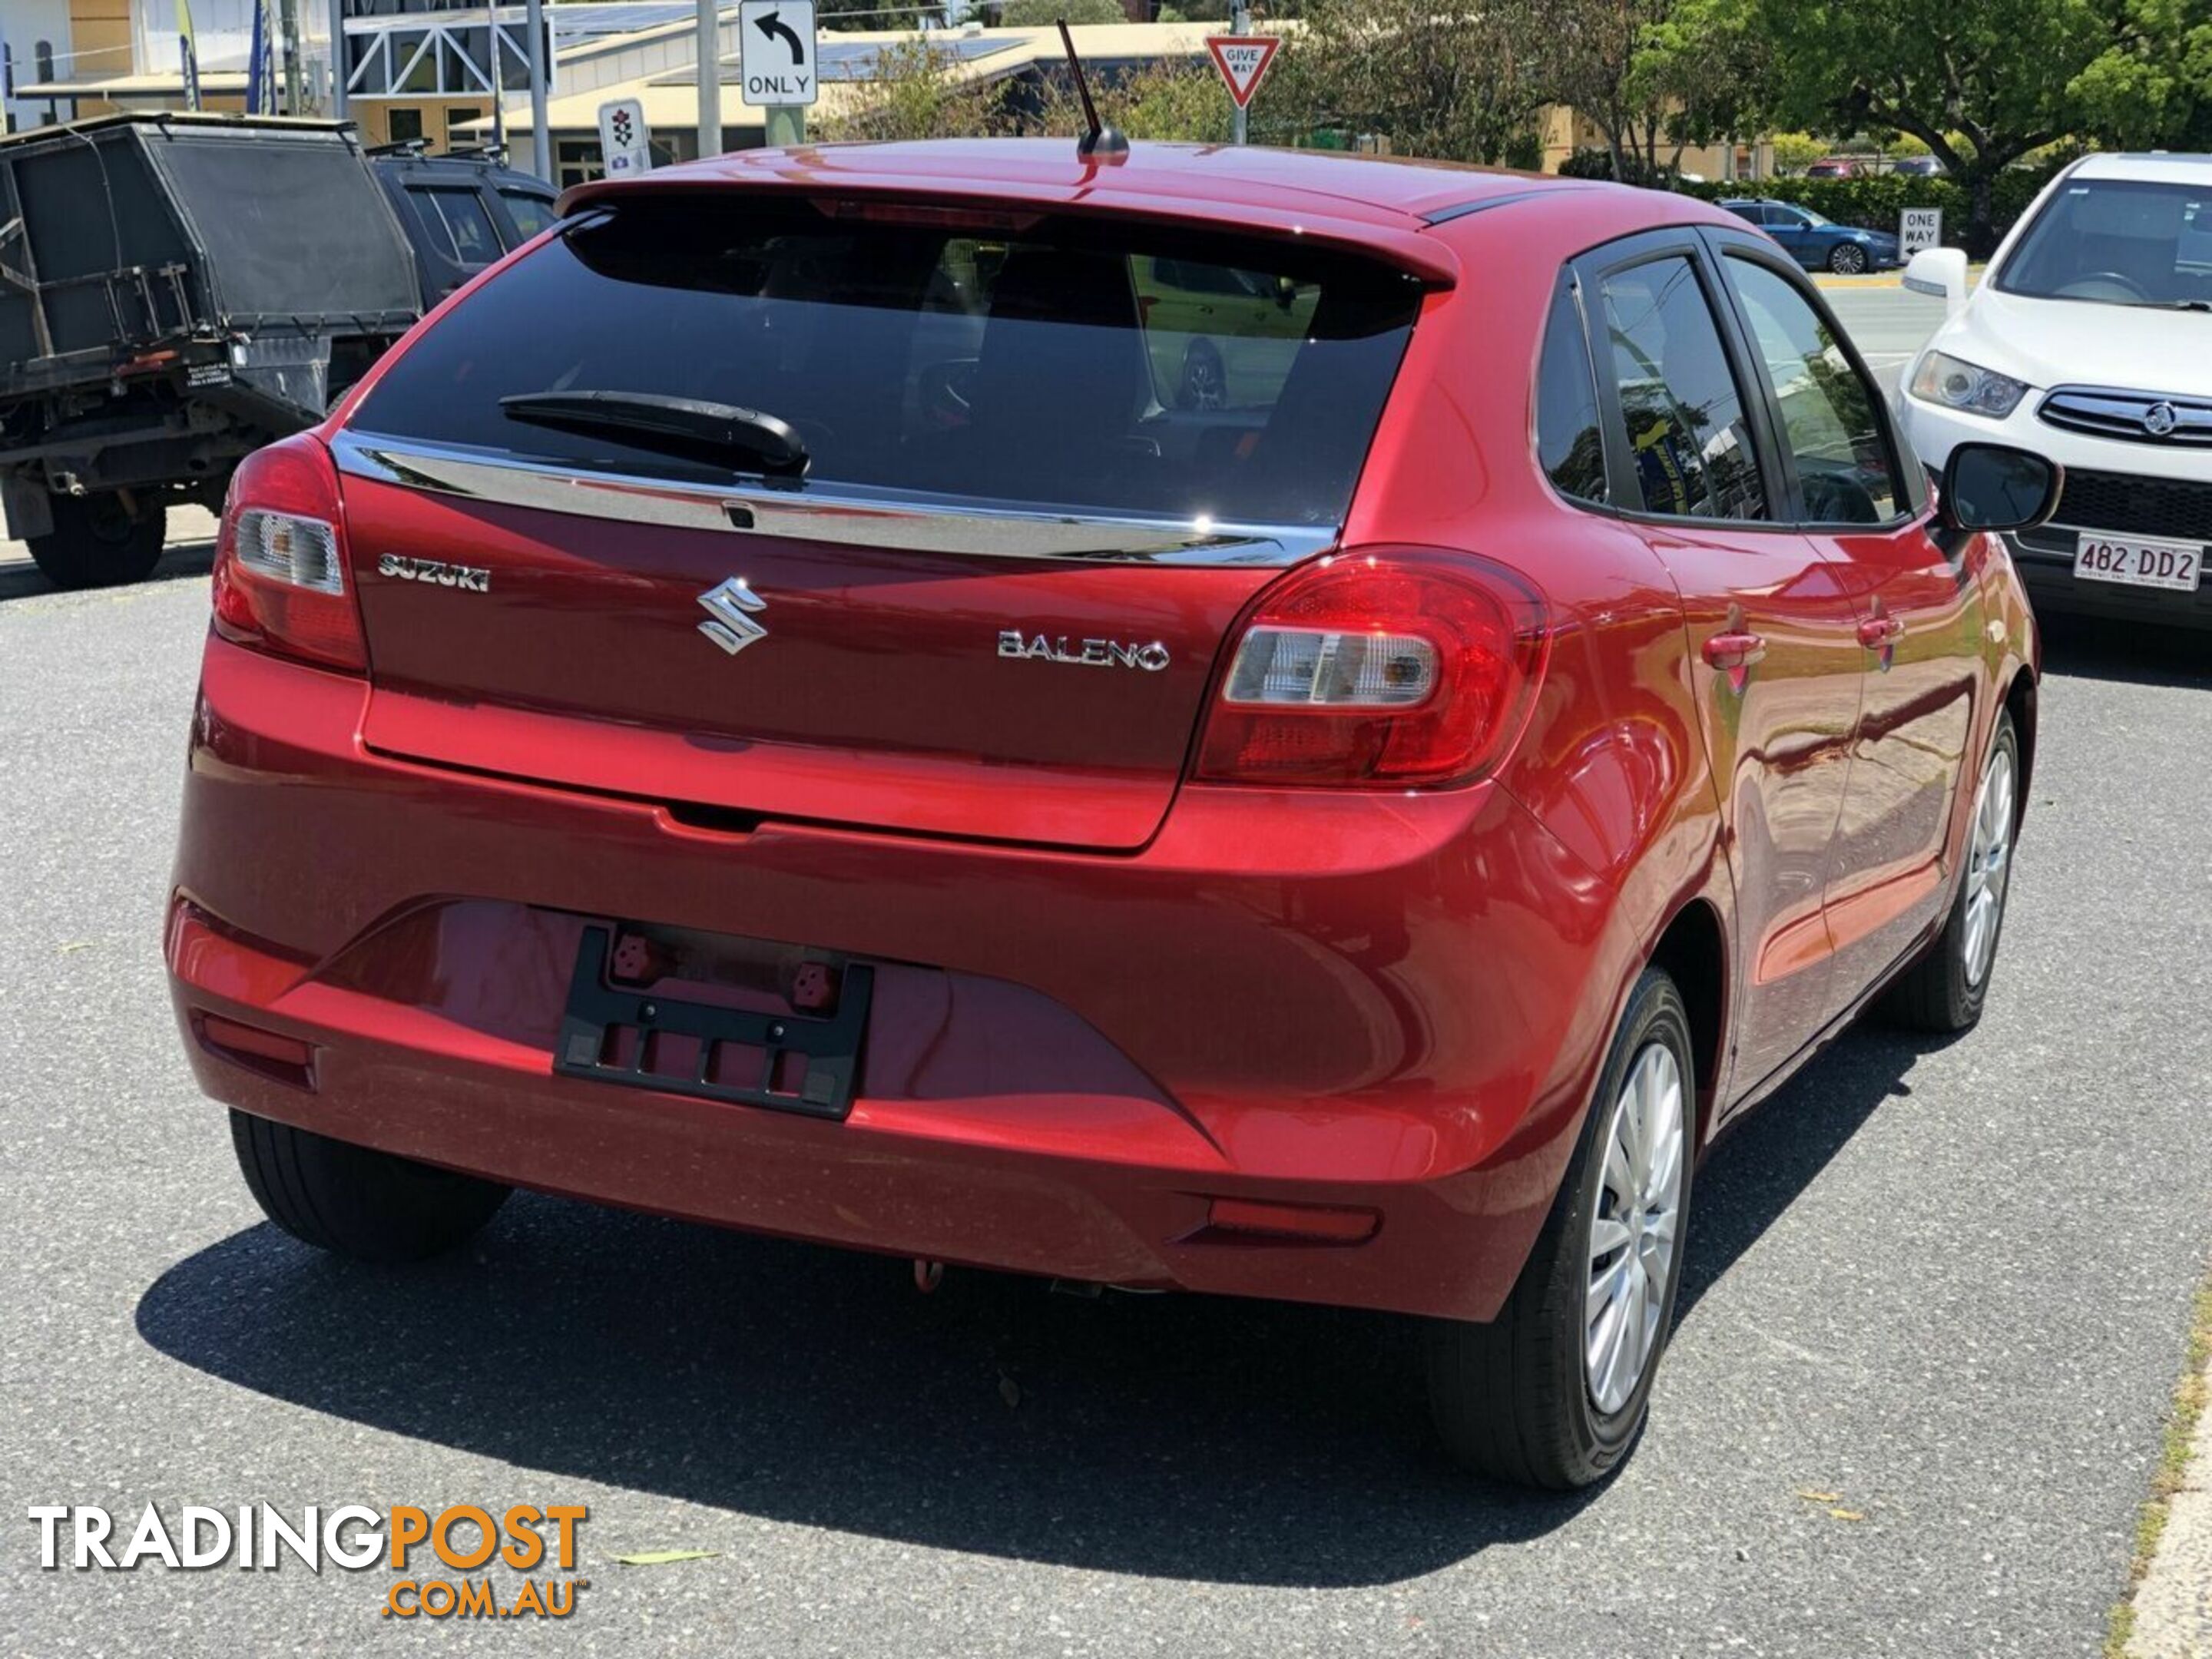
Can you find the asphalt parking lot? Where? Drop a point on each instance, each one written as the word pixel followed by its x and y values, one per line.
pixel 1933 1310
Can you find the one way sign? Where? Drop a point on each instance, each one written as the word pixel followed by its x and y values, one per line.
pixel 776 56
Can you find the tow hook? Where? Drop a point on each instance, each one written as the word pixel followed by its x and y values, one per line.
pixel 927 1275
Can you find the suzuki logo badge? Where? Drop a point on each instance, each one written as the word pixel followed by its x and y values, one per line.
pixel 731 608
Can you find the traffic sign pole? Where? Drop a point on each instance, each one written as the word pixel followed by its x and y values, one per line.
pixel 785 124
pixel 1240 22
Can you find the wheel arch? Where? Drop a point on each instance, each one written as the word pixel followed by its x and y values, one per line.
pixel 2020 701
pixel 1692 949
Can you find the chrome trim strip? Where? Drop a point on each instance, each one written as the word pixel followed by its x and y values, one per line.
pixel 856 517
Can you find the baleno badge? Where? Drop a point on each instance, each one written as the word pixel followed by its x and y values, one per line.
pixel 1089 653
pixel 730 607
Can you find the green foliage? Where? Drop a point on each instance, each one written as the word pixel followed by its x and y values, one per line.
pixel 1457 85
pixel 1796 151
pixel 1873 203
pixel 1175 99
pixel 916 93
pixel 1985 83
pixel 1043 14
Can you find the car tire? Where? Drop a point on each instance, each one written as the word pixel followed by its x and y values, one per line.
pixel 1944 991
pixel 1204 382
pixel 1518 1400
pixel 354 1201
pixel 97 541
pixel 1847 259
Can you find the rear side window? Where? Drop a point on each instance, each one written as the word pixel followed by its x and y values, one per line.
pixel 1828 418
pixel 1681 405
pixel 531 214
pixel 1568 442
pixel 458 225
pixel 1024 360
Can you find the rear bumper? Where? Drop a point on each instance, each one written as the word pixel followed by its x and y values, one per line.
pixel 1379 1004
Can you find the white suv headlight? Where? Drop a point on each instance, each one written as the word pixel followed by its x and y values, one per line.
pixel 1957 384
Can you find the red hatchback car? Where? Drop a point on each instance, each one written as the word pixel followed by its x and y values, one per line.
pixel 764 709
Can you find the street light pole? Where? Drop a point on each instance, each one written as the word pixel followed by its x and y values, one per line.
pixel 710 78
pixel 541 145
pixel 337 60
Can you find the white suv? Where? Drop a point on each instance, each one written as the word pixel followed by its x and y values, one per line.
pixel 2090 341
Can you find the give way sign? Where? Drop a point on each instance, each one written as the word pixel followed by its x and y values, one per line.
pixel 1243 60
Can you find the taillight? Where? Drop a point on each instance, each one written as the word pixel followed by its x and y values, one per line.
pixel 1402 667
pixel 280 558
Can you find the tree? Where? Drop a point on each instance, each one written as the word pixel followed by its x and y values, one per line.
pixel 1984 82
pixel 1043 14
pixel 1652 76
pixel 917 92
pixel 1454 84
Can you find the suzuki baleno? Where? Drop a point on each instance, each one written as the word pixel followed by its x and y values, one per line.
pixel 779 705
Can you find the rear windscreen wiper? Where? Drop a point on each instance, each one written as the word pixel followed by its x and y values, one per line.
pixel 682 425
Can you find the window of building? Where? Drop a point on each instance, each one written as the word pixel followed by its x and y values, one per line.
pixel 42 56
pixel 458 117
pixel 577 162
pixel 406 125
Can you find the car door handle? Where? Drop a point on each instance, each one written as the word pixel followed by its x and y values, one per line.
pixel 1876 632
pixel 1733 650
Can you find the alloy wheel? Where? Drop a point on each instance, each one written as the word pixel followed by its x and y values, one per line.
pixel 1848 260
pixel 1634 1231
pixel 1988 864
pixel 1203 378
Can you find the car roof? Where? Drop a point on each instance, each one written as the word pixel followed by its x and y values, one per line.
pixel 1382 203
pixel 2178 167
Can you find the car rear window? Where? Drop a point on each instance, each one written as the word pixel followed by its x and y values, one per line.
pixel 1027 360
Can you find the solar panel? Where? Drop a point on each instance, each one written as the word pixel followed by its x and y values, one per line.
pixel 593 18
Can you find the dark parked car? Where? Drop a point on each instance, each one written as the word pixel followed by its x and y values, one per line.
pixel 1836 166
pixel 1818 243
pixel 1918 167
pixel 461 213
pixel 766 712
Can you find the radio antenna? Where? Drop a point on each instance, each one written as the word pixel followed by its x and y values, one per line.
pixel 1099 141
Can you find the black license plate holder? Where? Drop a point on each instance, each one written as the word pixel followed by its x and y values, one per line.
pixel 830 1045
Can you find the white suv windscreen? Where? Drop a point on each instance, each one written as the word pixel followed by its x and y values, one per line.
pixel 2121 241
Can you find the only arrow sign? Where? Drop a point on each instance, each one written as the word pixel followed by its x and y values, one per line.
pixel 772 26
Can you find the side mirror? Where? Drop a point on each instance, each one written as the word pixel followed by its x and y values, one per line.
pixel 1996 486
pixel 1940 273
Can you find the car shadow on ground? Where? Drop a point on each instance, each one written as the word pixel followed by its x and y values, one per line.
pixel 1179 1437
pixel 2134 653
pixel 22 580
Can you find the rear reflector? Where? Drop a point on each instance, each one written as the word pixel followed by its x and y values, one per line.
pixel 1291 1221
pixel 287 1059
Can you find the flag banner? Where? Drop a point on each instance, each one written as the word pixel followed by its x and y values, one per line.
pixel 188 54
